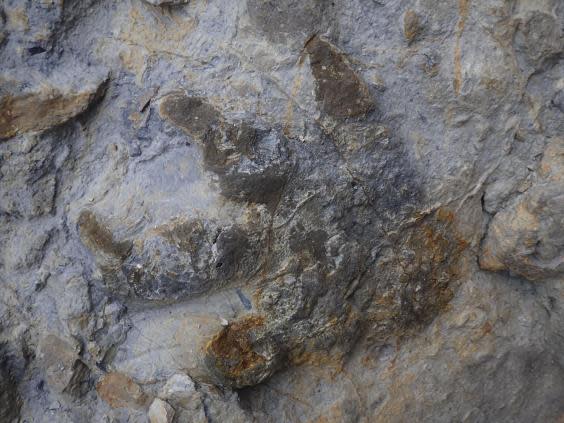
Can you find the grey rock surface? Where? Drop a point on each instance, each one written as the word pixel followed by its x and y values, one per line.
pixel 281 211
pixel 166 2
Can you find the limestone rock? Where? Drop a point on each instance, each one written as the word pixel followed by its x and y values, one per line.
pixel 28 186
pixel 288 21
pixel 45 106
pixel 281 211
pixel 411 25
pixel 65 371
pixel 527 238
pixel 160 412
pixel 75 299
pixel 224 405
pixel 119 390
pixel 189 402
pixel 339 90
pixel 239 356
pixel 179 388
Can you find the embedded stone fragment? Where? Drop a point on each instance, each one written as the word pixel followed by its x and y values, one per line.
pixel 174 260
pixel 527 238
pixel 179 387
pixel 45 106
pixel 180 391
pixel 238 356
pixel 340 92
pixel 552 165
pixel 43 196
pixel 202 404
pixel 160 412
pixel 119 390
pixel 108 252
pixel 64 370
pixel 111 331
pixel 252 164
pixel 411 26
pixel 98 237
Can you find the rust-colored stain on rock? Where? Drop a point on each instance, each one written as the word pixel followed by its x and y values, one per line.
pixel 232 350
pixel 425 265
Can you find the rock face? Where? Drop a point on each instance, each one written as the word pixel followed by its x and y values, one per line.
pixel 44 107
pixel 10 401
pixel 64 371
pixel 119 391
pixel 281 211
pixel 527 238
pixel 340 93
pixel 166 2
pixel 160 412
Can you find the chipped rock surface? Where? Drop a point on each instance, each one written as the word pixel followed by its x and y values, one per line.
pixel 44 107
pixel 281 211
pixel 527 237
pixel 166 2
pixel 160 412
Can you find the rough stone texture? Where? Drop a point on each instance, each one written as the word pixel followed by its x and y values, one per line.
pixel 64 371
pixel 160 412
pixel 411 26
pixel 166 2
pixel 119 391
pixel 526 238
pixel 10 401
pixel 41 108
pixel 281 211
